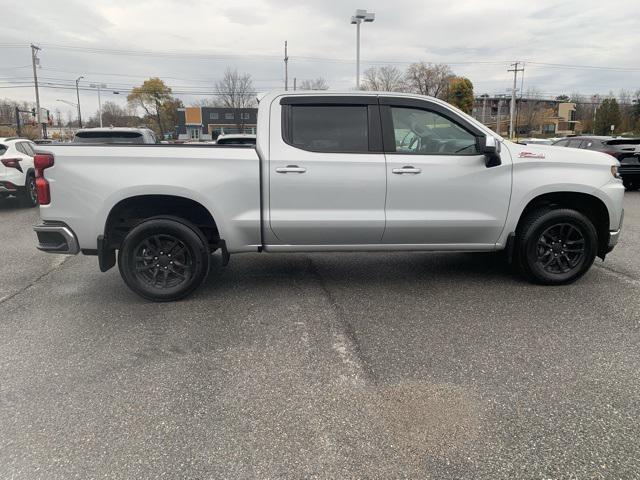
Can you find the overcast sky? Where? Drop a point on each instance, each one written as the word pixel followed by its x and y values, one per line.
pixel 190 43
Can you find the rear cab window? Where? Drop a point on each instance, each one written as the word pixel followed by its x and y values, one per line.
pixel 109 137
pixel 329 128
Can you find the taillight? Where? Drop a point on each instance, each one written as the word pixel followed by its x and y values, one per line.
pixel 42 161
pixel 12 163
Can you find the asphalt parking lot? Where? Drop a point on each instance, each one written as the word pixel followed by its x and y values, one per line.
pixel 417 365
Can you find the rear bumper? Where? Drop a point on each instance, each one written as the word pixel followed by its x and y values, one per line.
pixel 56 238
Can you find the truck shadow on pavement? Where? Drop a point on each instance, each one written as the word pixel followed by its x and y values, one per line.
pixel 362 269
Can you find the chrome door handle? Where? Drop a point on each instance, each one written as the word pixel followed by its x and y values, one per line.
pixel 406 169
pixel 291 169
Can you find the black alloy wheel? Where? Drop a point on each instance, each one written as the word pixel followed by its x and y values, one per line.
pixel 163 261
pixel 561 247
pixel 555 246
pixel 164 258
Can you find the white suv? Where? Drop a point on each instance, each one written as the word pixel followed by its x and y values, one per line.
pixel 17 174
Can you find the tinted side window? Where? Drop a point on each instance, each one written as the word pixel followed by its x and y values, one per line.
pixel 429 133
pixel 561 143
pixel 20 148
pixel 329 128
pixel 574 143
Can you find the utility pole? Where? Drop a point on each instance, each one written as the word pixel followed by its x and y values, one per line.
pixel 34 61
pixel 78 96
pixel 484 108
pixel 295 79
pixel 99 86
pixel 512 110
pixel 18 133
pixel 286 67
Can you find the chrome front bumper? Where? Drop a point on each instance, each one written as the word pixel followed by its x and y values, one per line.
pixel 56 238
pixel 613 238
pixel 614 235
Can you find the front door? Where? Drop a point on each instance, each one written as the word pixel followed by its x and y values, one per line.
pixel 440 192
pixel 327 177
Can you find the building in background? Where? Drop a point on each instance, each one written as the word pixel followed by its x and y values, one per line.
pixel 534 117
pixel 207 123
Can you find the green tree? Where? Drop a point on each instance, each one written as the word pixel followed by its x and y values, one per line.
pixel 461 94
pixel 563 98
pixel 608 114
pixel 152 96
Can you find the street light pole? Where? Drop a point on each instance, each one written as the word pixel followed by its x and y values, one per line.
pixel 359 17
pixel 78 95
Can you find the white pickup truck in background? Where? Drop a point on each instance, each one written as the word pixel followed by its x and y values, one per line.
pixel 330 172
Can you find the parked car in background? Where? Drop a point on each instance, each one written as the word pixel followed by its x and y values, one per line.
pixel 124 135
pixel 236 139
pixel 536 141
pixel 17 173
pixel 43 141
pixel 625 150
pixel 330 172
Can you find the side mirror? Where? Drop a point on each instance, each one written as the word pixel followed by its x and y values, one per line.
pixel 489 146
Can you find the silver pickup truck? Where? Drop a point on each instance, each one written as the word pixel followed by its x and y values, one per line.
pixel 330 172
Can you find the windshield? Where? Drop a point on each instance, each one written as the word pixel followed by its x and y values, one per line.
pixel 108 137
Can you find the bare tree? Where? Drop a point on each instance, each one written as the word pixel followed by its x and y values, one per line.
pixel 235 90
pixel 429 79
pixel 386 78
pixel 316 84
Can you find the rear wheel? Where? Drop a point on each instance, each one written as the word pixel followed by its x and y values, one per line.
pixel 555 246
pixel 29 195
pixel 164 259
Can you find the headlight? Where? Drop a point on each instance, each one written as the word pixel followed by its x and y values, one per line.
pixel 614 171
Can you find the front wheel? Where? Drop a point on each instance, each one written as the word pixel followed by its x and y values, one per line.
pixel 164 259
pixel 555 246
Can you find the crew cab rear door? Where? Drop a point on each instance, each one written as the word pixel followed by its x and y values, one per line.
pixel 327 176
pixel 439 191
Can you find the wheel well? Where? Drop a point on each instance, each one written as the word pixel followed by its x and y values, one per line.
pixel 127 213
pixel 591 207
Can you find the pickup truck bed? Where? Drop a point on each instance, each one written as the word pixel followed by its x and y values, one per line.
pixel 225 179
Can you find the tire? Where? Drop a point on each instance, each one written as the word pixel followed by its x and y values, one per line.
pixel 180 250
pixel 28 195
pixel 555 246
